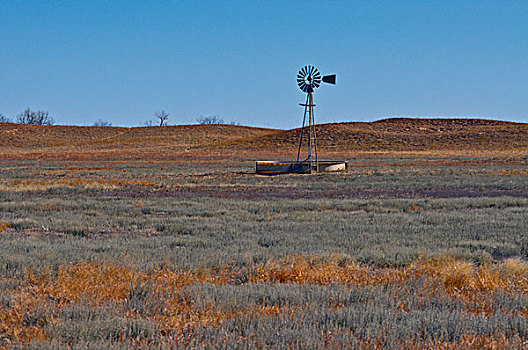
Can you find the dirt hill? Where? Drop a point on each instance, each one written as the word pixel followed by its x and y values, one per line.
pixel 210 141
pixel 402 134
pixel 38 136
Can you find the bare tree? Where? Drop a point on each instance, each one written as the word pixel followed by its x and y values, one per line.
pixel 37 118
pixel 102 122
pixel 162 117
pixel 210 119
pixel 4 119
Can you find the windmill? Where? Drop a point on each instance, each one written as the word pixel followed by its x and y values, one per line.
pixel 308 80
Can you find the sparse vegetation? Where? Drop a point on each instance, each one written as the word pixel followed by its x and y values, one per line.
pixel 4 119
pixel 161 117
pixel 209 119
pixel 310 303
pixel 102 122
pixel 115 249
pixel 127 255
pixel 34 118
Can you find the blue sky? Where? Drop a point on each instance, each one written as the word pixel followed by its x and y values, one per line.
pixel 124 60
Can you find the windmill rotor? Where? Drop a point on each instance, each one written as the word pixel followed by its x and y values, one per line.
pixel 309 79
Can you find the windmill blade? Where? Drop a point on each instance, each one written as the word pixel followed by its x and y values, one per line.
pixel 329 79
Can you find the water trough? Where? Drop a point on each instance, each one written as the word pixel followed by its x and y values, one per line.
pixel 276 167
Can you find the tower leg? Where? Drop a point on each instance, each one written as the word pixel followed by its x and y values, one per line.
pixel 312 158
pixel 310 131
pixel 302 129
pixel 314 136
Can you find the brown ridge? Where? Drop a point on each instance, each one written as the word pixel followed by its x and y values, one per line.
pixel 212 141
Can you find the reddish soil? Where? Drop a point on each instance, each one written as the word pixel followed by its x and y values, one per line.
pixel 403 134
pixel 390 137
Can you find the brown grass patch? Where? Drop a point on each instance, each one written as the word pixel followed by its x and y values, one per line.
pixel 4 226
pixel 100 284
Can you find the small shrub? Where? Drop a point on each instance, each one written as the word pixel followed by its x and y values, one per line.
pixel 102 122
pixel 210 119
pixel 36 118
pixel 4 119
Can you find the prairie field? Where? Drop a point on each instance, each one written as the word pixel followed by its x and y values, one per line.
pixel 165 238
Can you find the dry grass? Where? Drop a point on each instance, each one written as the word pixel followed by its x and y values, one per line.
pixel 509 172
pixel 303 271
pixel 475 342
pixel 392 136
pixel 402 134
pixel 73 182
pixel 4 226
pixel 100 284
pixel 463 279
